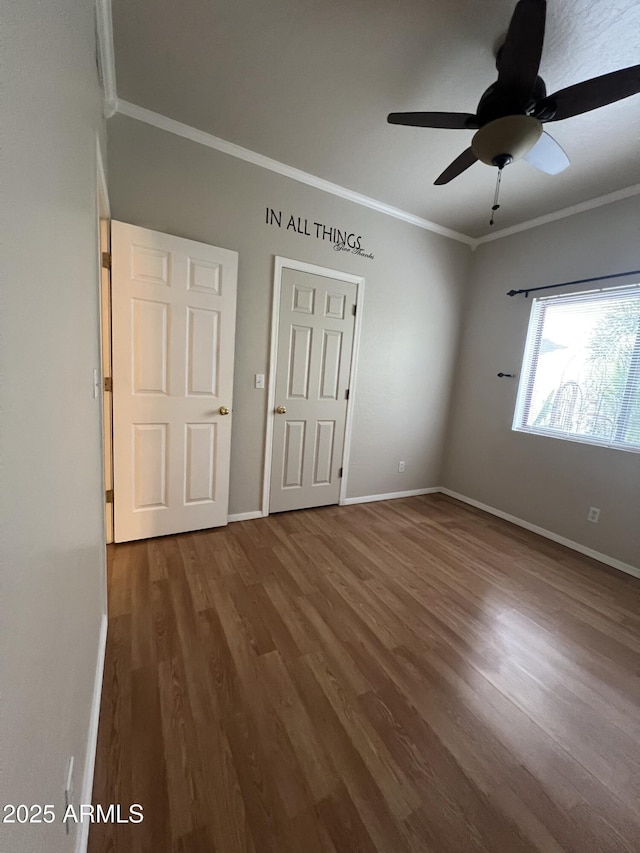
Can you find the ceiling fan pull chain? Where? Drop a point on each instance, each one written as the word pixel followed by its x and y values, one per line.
pixel 495 198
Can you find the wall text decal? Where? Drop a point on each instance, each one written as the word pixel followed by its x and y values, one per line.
pixel 342 241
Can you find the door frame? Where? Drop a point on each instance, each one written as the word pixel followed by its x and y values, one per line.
pixel 103 228
pixel 281 264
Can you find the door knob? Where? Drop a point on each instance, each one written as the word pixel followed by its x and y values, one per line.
pixel 223 410
pixel 281 410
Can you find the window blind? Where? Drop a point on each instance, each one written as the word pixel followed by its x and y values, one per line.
pixel 580 375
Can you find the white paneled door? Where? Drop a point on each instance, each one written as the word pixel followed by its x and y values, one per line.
pixel 173 330
pixel 313 363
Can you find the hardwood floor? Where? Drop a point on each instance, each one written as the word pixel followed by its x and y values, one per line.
pixel 413 675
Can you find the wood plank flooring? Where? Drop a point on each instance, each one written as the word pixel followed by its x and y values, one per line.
pixel 413 675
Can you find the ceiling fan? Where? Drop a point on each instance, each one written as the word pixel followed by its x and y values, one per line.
pixel 509 118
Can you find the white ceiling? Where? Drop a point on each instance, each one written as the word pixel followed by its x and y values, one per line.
pixel 310 82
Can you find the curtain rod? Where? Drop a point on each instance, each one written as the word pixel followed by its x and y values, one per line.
pixel 529 290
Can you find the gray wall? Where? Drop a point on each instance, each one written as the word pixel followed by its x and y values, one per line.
pixel 52 535
pixel 545 481
pixel 412 306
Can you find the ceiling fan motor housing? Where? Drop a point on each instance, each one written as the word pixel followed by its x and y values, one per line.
pixel 506 139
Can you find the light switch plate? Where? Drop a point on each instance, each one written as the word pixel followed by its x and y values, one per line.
pixel 259 380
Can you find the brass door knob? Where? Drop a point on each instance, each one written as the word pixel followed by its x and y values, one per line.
pixel 281 410
pixel 223 410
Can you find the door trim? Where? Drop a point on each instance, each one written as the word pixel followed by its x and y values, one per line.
pixel 281 264
pixel 103 226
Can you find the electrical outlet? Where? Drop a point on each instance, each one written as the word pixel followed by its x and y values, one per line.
pixel 400 467
pixel 68 792
pixel 593 514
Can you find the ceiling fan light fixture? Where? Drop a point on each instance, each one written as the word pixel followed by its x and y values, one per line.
pixel 506 139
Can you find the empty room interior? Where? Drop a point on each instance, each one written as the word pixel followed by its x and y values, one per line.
pixel 322 531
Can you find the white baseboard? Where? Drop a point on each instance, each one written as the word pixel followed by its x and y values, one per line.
pixel 82 838
pixel 245 516
pixel 548 534
pixel 365 499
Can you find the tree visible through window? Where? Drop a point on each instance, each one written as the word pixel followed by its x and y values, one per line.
pixel 581 369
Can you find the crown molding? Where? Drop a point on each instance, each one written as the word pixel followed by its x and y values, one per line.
pixel 609 198
pixel 210 141
pixel 201 137
pixel 104 31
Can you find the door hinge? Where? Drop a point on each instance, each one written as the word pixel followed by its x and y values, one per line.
pixel 346 394
pixel 106 260
pixel 108 383
pixel 354 310
pixel 108 496
pixel 340 472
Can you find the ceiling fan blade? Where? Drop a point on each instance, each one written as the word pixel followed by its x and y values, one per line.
pixel 547 156
pixel 591 94
pixel 466 159
pixel 453 121
pixel 519 57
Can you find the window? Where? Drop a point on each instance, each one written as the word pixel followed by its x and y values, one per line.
pixel 580 376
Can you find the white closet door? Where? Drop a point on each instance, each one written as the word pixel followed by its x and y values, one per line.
pixel 315 339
